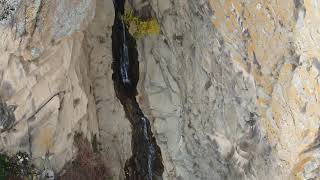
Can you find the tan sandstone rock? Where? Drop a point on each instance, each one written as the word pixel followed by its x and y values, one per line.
pixel 231 87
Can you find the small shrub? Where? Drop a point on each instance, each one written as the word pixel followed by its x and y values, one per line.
pixel 138 27
pixel 87 164
pixel 17 166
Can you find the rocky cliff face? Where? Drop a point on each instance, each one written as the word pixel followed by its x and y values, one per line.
pixel 231 88
pixel 45 78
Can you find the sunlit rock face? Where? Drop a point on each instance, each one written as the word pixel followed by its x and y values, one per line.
pixel 280 53
pixel 45 78
pixel 231 87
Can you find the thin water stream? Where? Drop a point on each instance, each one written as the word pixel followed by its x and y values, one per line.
pixel 146 161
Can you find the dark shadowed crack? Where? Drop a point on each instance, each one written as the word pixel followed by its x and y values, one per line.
pixel 7 117
pixel 146 160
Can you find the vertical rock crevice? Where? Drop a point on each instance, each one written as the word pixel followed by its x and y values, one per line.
pixel 146 160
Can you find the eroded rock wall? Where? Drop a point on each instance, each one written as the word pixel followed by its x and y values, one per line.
pixel 279 51
pixel 114 128
pixel 45 77
pixel 233 88
pixel 204 108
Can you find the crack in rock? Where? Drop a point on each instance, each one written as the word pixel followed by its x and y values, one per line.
pixel 146 160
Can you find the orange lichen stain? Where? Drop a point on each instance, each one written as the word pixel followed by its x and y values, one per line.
pixel 219 13
pixel 299 167
pixel 266 27
pixel 45 139
pixel 225 15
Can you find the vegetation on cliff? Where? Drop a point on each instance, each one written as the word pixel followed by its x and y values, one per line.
pixel 17 166
pixel 87 164
pixel 139 27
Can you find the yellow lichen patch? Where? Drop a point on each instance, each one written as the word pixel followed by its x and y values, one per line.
pixel 140 28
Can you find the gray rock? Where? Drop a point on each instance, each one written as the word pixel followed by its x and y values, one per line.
pixel 8 9
pixel 47 175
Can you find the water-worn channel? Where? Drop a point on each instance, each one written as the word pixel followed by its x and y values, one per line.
pixel 146 161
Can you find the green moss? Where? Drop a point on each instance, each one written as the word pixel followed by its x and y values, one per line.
pixel 140 28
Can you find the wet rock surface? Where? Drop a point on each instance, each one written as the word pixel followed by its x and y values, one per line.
pixel 146 160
